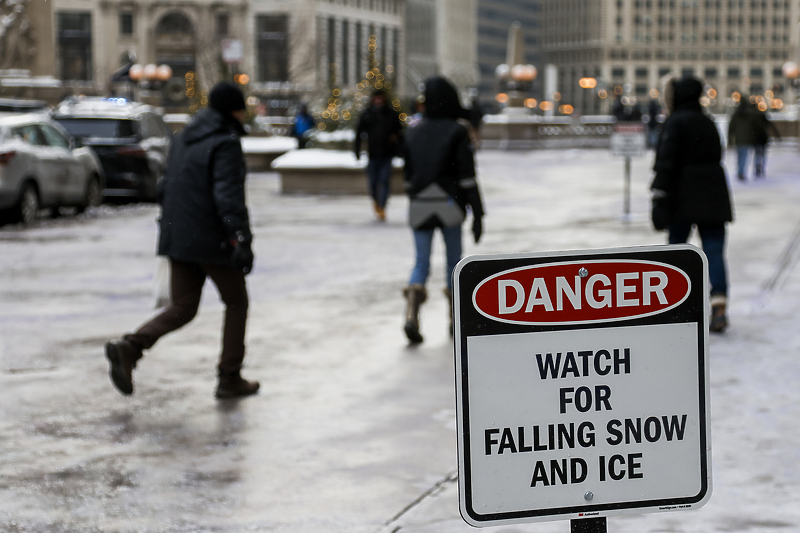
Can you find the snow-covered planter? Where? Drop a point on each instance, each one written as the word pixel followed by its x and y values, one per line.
pixel 318 171
pixel 260 152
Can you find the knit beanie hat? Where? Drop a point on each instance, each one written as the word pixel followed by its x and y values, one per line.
pixel 226 97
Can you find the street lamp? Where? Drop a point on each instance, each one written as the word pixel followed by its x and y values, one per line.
pixel 589 83
pixel 150 76
pixel 514 80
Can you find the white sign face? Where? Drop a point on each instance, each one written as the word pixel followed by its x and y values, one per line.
pixel 628 140
pixel 563 416
pixel 232 51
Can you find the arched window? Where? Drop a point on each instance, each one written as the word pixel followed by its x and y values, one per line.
pixel 173 23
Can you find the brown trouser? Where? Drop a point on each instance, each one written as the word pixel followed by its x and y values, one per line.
pixel 186 284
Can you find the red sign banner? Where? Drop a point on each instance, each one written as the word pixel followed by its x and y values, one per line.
pixel 581 292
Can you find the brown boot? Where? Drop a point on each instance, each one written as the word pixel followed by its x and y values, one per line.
pixel 232 385
pixel 122 356
pixel 719 321
pixel 415 296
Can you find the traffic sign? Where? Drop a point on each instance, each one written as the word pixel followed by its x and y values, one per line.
pixel 582 383
pixel 628 139
pixel 232 51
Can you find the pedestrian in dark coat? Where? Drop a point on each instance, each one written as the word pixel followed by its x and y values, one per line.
pixel 441 183
pixel 766 129
pixel 205 232
pixel 384 131
pixel 742 131
pixel 690 187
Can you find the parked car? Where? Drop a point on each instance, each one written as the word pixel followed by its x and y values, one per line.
pixel 131 140
pixel 21 105
pixel 42 166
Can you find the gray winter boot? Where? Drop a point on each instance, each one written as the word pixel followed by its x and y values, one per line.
pixel 415 296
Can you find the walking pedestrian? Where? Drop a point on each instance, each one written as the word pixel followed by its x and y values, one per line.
pixel 690 187
pixel 381 124
pixel 441 183
pixel 747 131
pixel 653 126
pixel 476 115
pixel 302 126
pixel 205 233
pixel 765 127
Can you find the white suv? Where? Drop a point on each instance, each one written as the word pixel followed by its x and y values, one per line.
pixel 41 166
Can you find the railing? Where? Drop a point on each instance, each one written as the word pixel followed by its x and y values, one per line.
pixel 523 132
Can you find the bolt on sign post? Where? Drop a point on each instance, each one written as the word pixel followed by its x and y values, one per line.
pixel 628 140
pixel 582 384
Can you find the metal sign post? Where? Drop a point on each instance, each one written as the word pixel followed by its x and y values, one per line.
pixel 582 384
pixel 588 525
pixel 628 140
pixel 626 207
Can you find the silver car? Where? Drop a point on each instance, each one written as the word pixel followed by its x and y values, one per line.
pixel 41 166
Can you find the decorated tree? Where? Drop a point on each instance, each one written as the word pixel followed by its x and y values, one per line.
pixel 344 109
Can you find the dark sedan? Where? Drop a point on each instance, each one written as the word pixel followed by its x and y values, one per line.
pixel 131 140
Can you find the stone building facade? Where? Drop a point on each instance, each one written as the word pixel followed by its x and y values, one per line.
pixel 287 50
pixel 734 46
pixel 442 40
pixel 495 18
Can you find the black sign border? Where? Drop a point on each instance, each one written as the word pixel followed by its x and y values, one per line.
pixel 469 322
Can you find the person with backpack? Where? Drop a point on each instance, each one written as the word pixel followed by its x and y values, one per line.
pixel 441 184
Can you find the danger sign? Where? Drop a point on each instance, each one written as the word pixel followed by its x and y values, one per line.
pixel 582 384
pixel 628 139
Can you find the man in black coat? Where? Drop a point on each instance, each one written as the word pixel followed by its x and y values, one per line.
pixel 381 125
pixel 205 232
pixel 690 187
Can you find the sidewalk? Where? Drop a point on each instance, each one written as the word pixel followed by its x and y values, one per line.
pixel 352 431
pixel 754 371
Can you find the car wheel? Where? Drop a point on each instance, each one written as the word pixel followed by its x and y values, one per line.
pixel 94 195
pixel 28 206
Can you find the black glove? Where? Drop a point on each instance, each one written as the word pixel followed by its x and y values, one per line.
pixel 242 258
pixel 661 210
pixel 477 228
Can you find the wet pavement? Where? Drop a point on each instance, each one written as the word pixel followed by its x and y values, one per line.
pixel 353 431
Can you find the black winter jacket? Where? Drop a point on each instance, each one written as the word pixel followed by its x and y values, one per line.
pixel 438 150
pixel 202 193
pixel 687 162
pixel 383 129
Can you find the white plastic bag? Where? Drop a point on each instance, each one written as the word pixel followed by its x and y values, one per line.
pixel 161 285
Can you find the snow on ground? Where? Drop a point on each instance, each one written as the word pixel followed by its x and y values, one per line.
pixel 353 430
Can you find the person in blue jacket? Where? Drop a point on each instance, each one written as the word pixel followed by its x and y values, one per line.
pixel 303 125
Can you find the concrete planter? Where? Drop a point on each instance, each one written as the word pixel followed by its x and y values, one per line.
pixel 316 171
